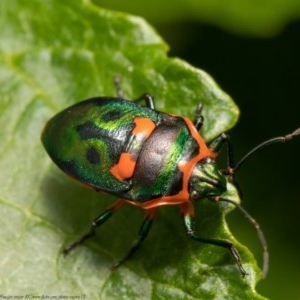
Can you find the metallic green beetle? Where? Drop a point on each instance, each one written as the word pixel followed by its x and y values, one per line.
pixel 145 157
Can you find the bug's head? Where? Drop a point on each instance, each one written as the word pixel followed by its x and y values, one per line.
pixel 206 180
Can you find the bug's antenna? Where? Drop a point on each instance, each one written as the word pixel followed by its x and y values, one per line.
pixel 279 139
pixel 260 234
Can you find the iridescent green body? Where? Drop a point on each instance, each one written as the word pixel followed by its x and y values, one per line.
pixel 145 157
pixel 86 140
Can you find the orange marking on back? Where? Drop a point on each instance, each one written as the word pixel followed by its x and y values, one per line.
pixel 143 126
pixel 187 168
pixel 124 169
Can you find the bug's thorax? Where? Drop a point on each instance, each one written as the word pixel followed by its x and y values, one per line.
pixel 206 180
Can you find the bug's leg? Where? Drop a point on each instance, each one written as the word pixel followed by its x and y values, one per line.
pixel 96 223
pixel 117 82
pixel 187 212
pixel 216 145
pixel 143 233
pixel 198 118
pixel 148 99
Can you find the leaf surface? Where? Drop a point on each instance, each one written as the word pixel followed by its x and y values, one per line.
pixel 56 53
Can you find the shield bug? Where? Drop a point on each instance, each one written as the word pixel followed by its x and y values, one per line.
pixel 147 158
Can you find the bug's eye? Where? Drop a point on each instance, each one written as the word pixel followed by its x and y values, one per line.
pixel 194 195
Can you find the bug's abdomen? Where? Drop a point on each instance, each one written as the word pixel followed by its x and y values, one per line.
pixel 88 140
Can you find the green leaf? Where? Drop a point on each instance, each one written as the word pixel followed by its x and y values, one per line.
pixel 56 53
pixel 259 18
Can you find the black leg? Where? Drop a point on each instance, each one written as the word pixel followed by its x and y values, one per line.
pixel 148 99
pixel 97 223
pixel 187 211
pixel 216 145
pixel 143 232
pixel 198 119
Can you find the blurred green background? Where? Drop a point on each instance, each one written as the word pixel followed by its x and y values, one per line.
pixel 252 50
